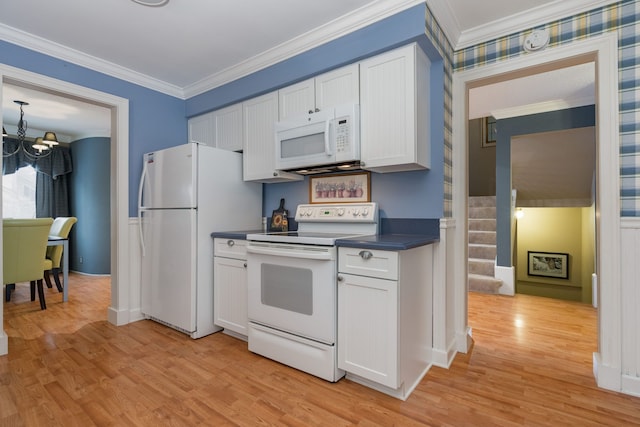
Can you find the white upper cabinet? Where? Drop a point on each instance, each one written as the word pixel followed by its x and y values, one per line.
pixel 221 128
pixel 201 129
pixel 227 125
pixel 259 117
pixel 394 106
pixel 336 87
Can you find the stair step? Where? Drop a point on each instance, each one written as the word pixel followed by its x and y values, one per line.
pixel 477 201
pixel 482 251
pixel 483 237
pixel 485 267
pixel 485 284
pixel 482 212
pixel 482 224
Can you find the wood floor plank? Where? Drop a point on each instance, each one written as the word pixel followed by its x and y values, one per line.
pixel 530 364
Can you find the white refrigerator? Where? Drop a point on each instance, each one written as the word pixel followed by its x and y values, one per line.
pixel 186 193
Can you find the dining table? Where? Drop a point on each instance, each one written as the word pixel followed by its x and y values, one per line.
pixel 57 241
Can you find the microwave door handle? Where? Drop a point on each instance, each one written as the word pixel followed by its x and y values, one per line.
pixel 327 139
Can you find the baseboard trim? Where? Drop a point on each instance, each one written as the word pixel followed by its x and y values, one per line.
pixel 606 376
pixel 464 341
pixel 444 359
pixel 116 317
pixel 507 275
pixel 4 343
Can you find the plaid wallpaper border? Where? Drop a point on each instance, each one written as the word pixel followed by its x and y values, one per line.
pixel 440 41
pixel 621 17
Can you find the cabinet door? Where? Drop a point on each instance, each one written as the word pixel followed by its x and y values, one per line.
pixel 337 87
pixel 296 100
pixel 227 123
pixel 230 294
pixel 392 140
pixel 201 129
pixel 259 117
pixel 368 328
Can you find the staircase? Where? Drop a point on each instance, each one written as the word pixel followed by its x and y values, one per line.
pixel 482 245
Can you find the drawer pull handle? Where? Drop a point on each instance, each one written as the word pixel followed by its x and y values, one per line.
pixel 340 278
pixel 230 243
pixel 365 255
pixel 245 265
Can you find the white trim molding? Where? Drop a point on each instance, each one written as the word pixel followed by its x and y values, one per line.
pixel 507 275
pixel 119 108
pixel 602 50
pixel 444 341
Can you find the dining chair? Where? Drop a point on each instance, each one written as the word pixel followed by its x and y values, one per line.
pixel 24 246
pixel 61 227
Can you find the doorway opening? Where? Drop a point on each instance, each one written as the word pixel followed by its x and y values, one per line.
pixel 118 311
pixel 602 51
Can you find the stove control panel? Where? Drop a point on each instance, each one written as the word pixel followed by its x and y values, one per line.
pixel 334 212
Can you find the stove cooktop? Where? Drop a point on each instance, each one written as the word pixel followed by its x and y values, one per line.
pixel 301 237
pixel 323 224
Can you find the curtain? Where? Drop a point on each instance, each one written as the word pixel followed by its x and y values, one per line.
pixel 52 191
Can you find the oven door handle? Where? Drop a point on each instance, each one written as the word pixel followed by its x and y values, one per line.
pixel 321 255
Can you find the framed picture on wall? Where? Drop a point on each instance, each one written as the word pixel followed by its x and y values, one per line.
pixel 489 132
pixel 340 188
pixel 548 264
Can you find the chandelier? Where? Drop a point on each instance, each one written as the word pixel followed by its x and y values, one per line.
pixel 40 148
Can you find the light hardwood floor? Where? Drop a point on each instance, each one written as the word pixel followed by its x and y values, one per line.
pixel 67 366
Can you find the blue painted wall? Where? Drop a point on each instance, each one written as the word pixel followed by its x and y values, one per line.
pixel 524 125
pixel 90 203
pixel 417 194
pixel 156 120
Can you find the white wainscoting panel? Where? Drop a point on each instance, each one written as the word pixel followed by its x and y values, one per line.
pixel 630 253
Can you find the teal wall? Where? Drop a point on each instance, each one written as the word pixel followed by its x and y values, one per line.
pixel 90 240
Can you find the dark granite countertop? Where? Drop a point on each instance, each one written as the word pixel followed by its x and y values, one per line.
pixel 395 235
pixel 238 235
pixel 388 242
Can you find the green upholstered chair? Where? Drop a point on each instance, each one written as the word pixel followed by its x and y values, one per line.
pixel 61 227
pixel 24 246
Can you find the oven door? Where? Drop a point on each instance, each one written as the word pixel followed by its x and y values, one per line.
pixel 293 288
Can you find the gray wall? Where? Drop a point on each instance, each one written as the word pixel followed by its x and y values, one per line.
pixel 90 241
pixel 482 162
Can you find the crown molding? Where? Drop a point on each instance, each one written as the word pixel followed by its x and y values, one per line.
pixel 339 27
pixel 359 18
pixel 530 18
pixel 47 47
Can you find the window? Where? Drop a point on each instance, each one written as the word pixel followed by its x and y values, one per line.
pixel 19 194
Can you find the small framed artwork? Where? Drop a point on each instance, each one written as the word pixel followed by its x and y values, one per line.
pixel 548 264
pixel 340 188
pixel 489 132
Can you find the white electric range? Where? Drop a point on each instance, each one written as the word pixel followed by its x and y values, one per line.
pixel 292 286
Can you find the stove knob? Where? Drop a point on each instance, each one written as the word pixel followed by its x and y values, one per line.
pixel 356 212
pixel 340 211
pixel 365 212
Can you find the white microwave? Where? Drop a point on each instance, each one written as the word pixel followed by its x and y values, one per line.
pixel 325 137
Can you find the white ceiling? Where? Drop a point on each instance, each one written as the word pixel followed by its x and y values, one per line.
pixel 190 46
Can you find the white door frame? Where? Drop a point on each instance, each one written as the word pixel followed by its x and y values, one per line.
pixel 118 312
pixel 603 50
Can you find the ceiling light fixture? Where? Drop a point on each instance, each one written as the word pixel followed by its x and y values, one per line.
pixel 152 3
pixel 39 149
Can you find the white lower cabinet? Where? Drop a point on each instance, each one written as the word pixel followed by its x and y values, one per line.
pixel 385 317
pixel 230 285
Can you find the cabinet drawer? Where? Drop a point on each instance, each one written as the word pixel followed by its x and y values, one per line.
pixel 368 262
pixel 230 248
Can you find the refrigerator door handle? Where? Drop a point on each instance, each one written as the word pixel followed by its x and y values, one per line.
pixel 140 207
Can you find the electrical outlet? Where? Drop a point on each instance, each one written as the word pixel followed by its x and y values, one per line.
pixel 80 260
